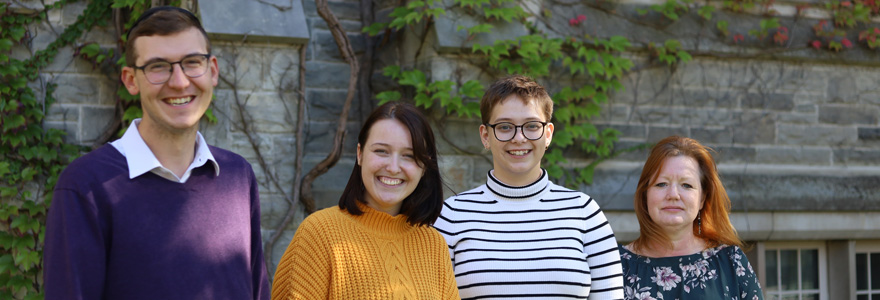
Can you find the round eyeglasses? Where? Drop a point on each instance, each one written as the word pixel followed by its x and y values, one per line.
pixel 159 72
pixel 505 131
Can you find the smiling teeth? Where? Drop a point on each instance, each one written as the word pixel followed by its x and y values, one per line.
pixel 519 152
pixel 179 101
pixel 390 181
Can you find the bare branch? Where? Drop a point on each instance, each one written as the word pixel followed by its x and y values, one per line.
pixel 332 158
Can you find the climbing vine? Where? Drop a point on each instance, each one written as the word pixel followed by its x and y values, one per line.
pixel 595 66
pixel 32 155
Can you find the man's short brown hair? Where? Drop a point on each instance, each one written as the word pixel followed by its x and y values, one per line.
pixel 523 87
pixel 162 20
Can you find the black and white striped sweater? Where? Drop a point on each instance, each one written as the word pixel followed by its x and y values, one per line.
pixel 540 241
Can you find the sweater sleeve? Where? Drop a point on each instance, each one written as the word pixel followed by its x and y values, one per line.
pixel 304 270
pixel 600 245
pixel 259 275
pixel 74 253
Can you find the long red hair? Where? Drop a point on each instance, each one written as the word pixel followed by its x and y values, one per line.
pixel 716 228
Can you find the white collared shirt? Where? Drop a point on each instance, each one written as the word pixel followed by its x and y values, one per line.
pixel 140 158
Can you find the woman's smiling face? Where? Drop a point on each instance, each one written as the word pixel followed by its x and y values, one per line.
pixel 517 162
pixel 388 168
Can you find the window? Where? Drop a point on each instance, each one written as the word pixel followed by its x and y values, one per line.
pixel 794 271
pixel 867 271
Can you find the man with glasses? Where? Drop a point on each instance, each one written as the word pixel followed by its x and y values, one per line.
pixel 151 216
pixel 520 235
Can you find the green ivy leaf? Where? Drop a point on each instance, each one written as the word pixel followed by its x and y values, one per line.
pixel 374 28
pixel 471 89
pixel 388 96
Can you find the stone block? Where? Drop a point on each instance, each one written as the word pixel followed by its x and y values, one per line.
pixel 813 156
pixel 62 113
pixel 482 166
pixel 614 113
pixel 343 10
pixel 869 133
pixel 451 39
pixel 283 68
pixel 321 135
pixel 754 128
pixel 266 113
pixel 327 75
pixel 71 11
pixel 336 177
pixel 712 135
pixel 326 105
pixel 809 191
pixel 241 67
pixel 275 21
pixel 857 157
pixel 244 147
pixel 456 172
pixel 813 135
pixel 842 89
pixel 614 185
pixel 848 115
pixel 95 122
pixel 639 151
pixel 768 101
pixel 325 48
pixel 797 118
pixel 273 209
pixel 633 131
pixel 657 133
pixel 461 134
pixel 708 98
pixel 733 154
pixel 78 89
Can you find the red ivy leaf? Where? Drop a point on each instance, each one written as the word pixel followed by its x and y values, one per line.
pixel 816 44
pixel 846 43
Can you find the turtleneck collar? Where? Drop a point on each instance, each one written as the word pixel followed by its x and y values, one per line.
pixel 518 193
pixel 381 224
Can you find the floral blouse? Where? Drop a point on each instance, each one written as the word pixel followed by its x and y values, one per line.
pixel 715 273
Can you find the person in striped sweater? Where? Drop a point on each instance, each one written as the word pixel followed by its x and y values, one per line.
pixel 520 235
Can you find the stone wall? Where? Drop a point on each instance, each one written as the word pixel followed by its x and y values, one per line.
pixel 797 137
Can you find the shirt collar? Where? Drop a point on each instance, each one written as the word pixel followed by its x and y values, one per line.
pixel 140 158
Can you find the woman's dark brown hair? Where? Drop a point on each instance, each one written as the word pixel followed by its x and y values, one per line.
pixel 715 227
pixel 423 206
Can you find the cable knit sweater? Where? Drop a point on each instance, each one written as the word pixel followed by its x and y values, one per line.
pixel 539 241
pixel 336 255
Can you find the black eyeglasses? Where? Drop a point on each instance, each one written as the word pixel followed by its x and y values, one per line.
pixel 159 72
pixel 505 131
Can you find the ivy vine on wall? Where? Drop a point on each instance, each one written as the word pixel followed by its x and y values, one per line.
pixel 32 155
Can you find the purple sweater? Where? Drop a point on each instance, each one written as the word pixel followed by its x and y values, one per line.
pixel 111 237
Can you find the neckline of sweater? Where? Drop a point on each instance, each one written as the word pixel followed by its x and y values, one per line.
pixel 527 192
pixel 381 224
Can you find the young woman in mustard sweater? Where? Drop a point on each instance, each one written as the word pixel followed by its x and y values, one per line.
pixel 378 243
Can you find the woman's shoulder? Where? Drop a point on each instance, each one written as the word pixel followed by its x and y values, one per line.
pixel 321 219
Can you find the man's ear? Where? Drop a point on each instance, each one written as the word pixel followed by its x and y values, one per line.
pixel 127 76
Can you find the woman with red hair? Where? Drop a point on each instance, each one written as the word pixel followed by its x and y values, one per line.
pixel 687 247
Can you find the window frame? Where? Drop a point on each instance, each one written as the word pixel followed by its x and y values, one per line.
pixel 866 247
pixel 762 247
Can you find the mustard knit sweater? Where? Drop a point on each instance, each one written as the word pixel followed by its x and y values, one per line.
pixel 335 255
